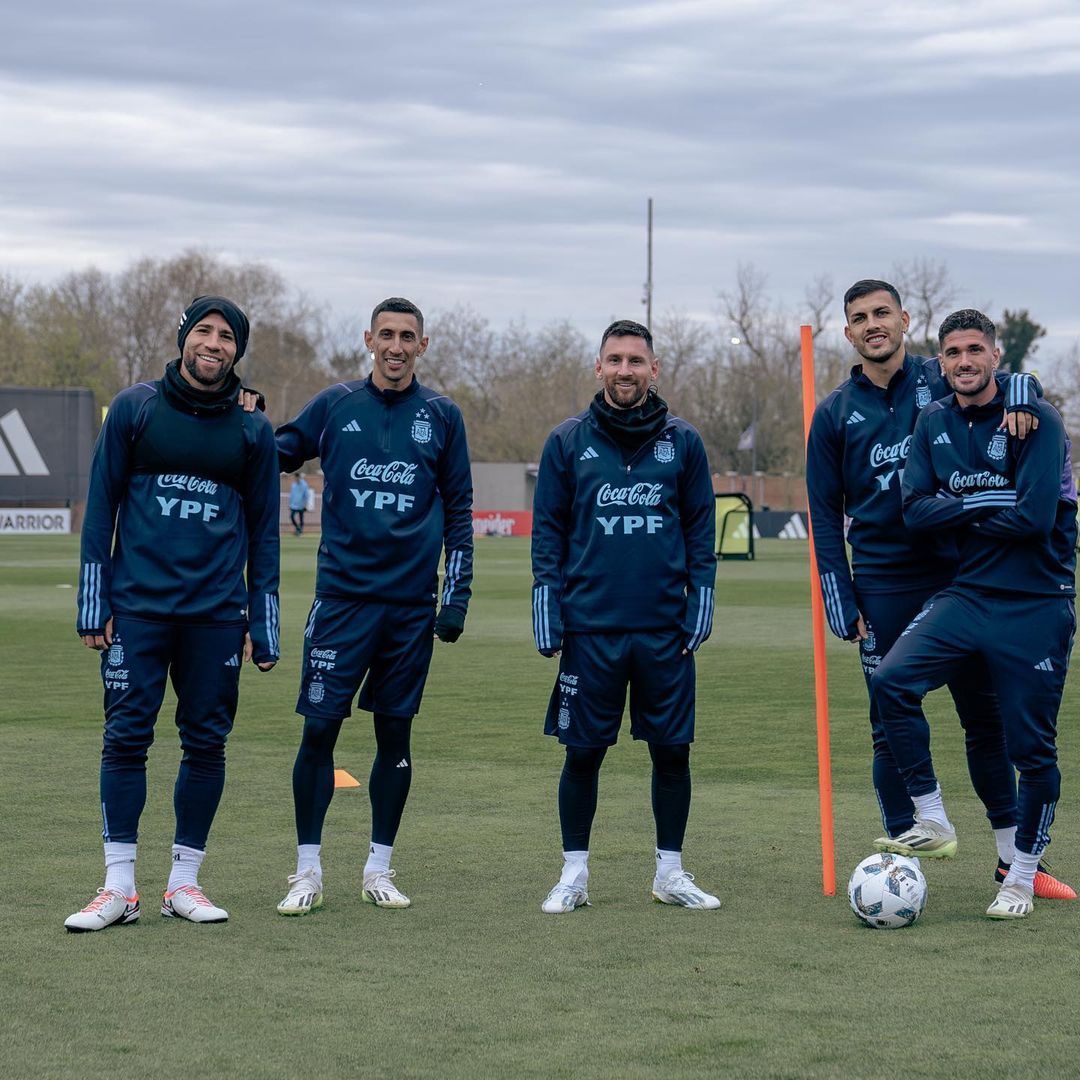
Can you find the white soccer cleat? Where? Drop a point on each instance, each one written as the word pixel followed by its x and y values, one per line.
pixel 926 839
pixel 380 890
pixel 679 888
pixel 109 908
pixel 1012 902
pixel 564 899
pixel 191 903
pixel 304 895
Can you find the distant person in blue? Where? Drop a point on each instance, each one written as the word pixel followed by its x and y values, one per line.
pixel 298 500
pixel 184 495
pixel 1011 507
pixel 855 460
pixel 397 492
pixel 623 543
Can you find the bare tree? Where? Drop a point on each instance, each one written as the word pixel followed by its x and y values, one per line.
pixel 927 292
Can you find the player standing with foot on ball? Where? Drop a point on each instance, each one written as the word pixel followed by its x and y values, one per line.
pixel 856 454
pixel 188 483
pixel 624 567
pixel 397 490
pixel 1012 507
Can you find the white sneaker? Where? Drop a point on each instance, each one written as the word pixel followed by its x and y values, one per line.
pixel 380 890
pixel 679 888
pixel 304 895
pixel 190 902
pixel 564 898
pixel 109 908
pixel 1012 902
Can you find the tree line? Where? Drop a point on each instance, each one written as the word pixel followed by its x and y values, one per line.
pixel 735 377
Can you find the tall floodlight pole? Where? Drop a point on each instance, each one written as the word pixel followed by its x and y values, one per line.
pixel 647 298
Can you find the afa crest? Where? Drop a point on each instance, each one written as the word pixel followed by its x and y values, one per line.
pixel 922 395
pixel 421 428
pixel 869 642
pixel 116 655
pixel 664 451
pixel 564 719
pixel 996 450
pixel 316 692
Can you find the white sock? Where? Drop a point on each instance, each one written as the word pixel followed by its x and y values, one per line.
pixel 575 869
pixel 378 858
pixel 307 858
pixel 1006 843
pixel 667 862
pixel 931 808
pixel 185 867
pixel 1023 869
pixel 120 867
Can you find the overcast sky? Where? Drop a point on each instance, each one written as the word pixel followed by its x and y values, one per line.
pixel 499 154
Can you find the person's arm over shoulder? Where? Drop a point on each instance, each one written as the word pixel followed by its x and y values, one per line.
pixel 825 495
pixel 261 509
pixel 697 517
pixel 298 440
pixel 110 469
pixel 1038 483
pixel 455 487
pixel 552 502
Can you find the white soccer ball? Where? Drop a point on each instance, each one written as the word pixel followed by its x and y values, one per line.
pixel 887 891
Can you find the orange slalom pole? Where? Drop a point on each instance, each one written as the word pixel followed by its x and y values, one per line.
pixel 821 677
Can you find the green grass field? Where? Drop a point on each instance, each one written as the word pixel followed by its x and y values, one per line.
pixel 473 980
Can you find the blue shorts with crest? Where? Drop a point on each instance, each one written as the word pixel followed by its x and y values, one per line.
pixel 382 650
pixel 595 671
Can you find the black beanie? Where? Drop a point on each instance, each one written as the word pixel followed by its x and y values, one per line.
pixel 201 306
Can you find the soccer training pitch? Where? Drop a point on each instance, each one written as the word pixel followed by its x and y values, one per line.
pixel 473 980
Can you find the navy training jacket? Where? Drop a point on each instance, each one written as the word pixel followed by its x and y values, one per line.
pixel 859 441
pixel 192 497
pixel 397 490
pixel 1011 504
pixel 620 546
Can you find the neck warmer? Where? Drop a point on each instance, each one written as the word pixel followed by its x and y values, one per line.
pixel 182 395
pixel 631 428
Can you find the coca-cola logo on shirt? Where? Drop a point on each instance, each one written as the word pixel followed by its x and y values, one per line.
pixel 187 483
pixel 889 455
pixel 388 472
pixel 634 495
pixel 977 481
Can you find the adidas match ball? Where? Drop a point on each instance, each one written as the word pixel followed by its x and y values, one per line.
pixel 887 891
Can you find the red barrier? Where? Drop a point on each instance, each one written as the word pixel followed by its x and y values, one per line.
pixel 502 523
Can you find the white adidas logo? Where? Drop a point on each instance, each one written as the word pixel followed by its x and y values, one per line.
pixel 233 661
pixel 794 529
pixel 856 418
pixel 589 453
pixel 402 764
pixel 1044 665
pixel 24 458
pixel 352 425
pixel 943 439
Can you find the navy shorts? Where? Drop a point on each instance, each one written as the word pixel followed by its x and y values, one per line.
pixel 386 648
pixel 204 665
pixel 587 703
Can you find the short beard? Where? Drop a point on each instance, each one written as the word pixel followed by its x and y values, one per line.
pixel 978 389
pixel 631 405
pixel 191 366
